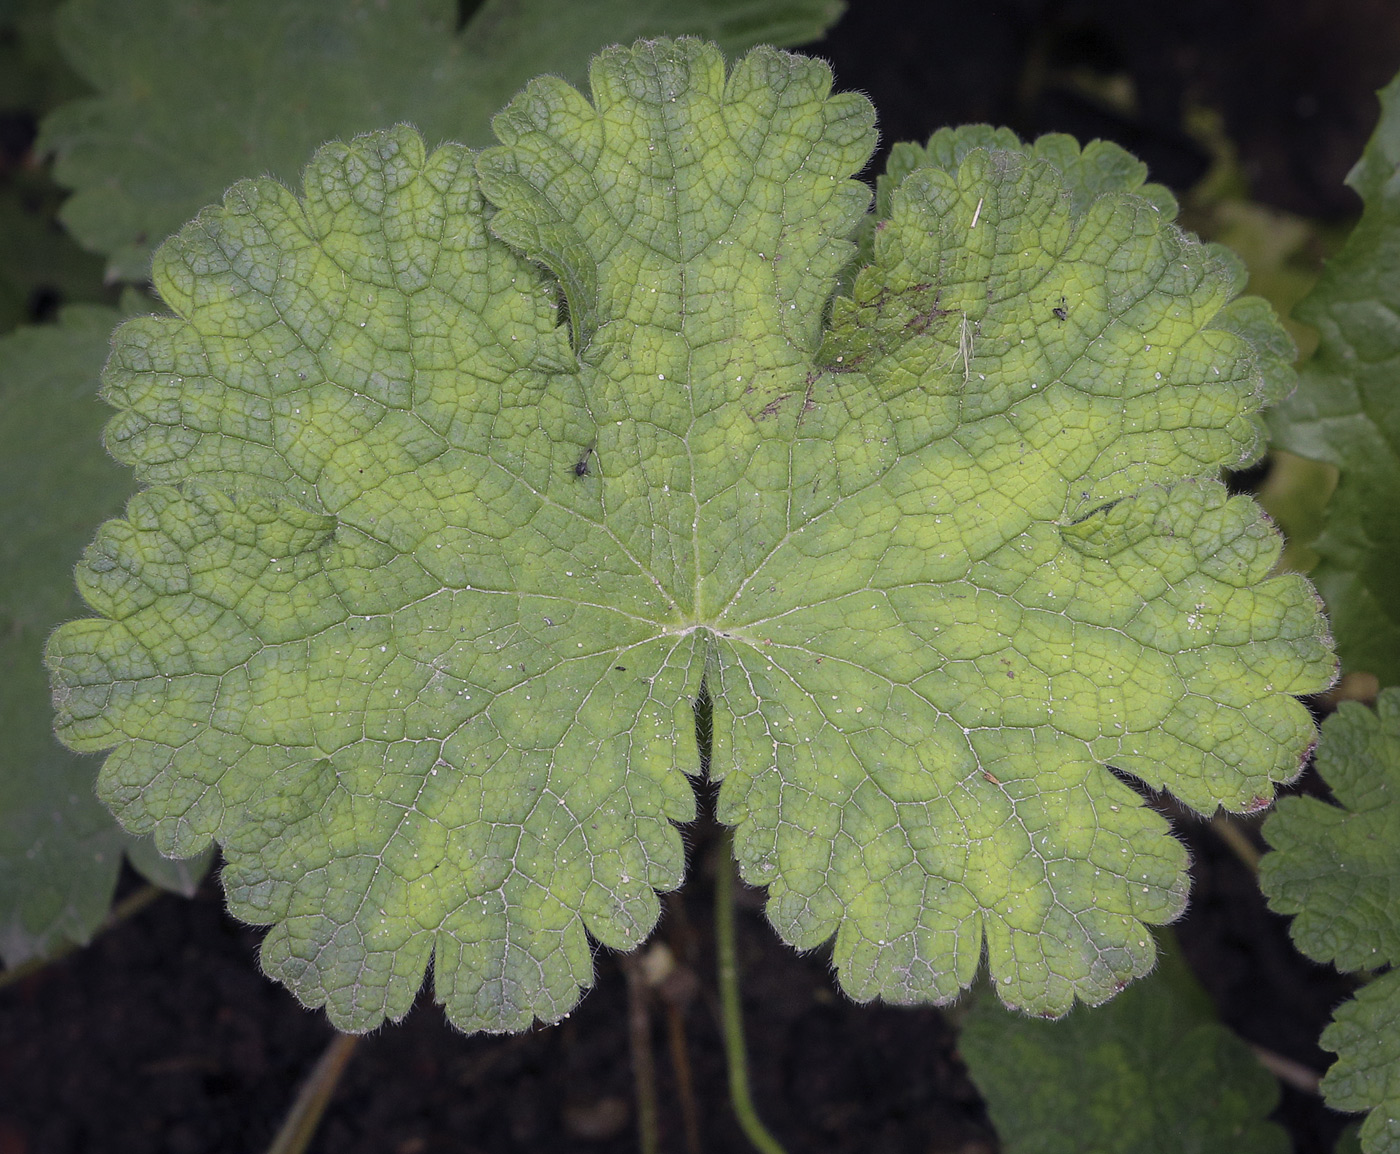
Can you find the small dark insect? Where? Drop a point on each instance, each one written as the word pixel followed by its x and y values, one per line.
pixel 1061 312
pixel 581 465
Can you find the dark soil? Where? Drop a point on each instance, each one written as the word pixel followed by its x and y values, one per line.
pixel 163 1037
pixel 1293 79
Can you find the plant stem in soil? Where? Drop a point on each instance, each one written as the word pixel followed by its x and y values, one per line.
pixel 730 1008
pixel 299 1127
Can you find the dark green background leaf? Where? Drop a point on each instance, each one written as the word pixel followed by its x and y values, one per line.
pixel 37 258
pixel 1347 412
pixel 59 848
pixel 1152 1071
pixel 33 74
pixel 1337 869
pixel 193 96
pixel 1365 1036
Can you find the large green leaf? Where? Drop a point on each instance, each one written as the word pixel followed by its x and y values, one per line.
pixel 1337 869
pixel 194 95
pixel 59 848
pixel 1151 1071
pixel 415 614
pixel 1347 412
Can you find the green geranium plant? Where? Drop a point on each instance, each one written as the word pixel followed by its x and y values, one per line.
pixel 490 499
pixel 415 612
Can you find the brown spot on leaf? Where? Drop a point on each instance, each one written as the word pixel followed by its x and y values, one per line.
pixel 772 407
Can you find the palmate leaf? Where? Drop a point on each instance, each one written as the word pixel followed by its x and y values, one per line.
pixel 1347 412
pixel 1154 1070
pixel 1337 869
pixel 415 614
pixel 192 96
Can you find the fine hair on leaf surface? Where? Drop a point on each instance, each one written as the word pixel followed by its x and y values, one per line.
pixel 942 563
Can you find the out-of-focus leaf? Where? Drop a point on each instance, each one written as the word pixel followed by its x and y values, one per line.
pixel 1295 493
pixel 1365 1036
pixel 1349 1141
pixel 1336 869
pixel 39 263
pixel 1274 247
pixel 1346 412
pixel 59 848
pixel 178 875
pixel 1152 1072
pixel 34 77
pixel 36 256
pixel 194 95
